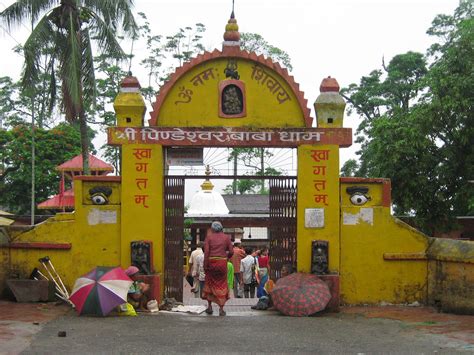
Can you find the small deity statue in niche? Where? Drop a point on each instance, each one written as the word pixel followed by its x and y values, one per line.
pixel 232 103
pixel 141 257
pixel 319 262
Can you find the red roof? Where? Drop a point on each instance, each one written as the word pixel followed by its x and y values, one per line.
pixel 75 164
pixel 58 202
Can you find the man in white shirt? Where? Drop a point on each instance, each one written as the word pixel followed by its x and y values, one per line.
pixel 193 268
pixel 248 268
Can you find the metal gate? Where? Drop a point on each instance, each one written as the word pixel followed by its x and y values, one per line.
pixel 282 224
pixel 174 229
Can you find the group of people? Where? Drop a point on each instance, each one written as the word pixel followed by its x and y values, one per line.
pixel 220 265
pixel 216 267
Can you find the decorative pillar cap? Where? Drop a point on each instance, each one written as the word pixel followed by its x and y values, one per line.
pixel 329 85
pixel 130 84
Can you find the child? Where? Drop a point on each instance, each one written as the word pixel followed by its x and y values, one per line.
pixel 230 275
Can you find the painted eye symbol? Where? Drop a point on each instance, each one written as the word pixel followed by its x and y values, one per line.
pixel 99 199
pixel 359 199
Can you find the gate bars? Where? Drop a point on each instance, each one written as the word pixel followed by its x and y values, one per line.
pixel 282 227
pixel 174 229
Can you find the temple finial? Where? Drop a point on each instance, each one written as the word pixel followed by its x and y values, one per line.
pixel 207 184
pixel 231 35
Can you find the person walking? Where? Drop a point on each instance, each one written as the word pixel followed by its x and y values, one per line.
pixel 248 268
pixel 263 271
pixel 217 249
pixel 201 273
pixel 238 255
pixel 193 270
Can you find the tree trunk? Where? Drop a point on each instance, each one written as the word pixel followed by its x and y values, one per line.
pixel 234 184
pixel 84 143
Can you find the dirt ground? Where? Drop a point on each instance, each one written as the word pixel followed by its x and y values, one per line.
pixel 34 328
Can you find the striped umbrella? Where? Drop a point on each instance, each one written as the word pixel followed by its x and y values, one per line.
pixel 300 295
pixel 101 290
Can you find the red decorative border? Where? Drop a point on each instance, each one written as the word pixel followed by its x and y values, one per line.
pixel 207 56
pixel 98 178
pixel 30 245
pixel 241 86
pixel 386 188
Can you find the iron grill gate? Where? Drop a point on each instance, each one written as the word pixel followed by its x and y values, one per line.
pixel 282 224
pixel 174 229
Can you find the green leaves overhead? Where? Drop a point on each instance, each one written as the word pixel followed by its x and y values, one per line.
pixel 253 42
pixel 63 32
pixel 417 125
pixel 53 147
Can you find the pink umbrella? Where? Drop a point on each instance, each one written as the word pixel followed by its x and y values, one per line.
pixel 300 294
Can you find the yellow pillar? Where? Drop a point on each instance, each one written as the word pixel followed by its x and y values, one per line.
pixel 142 180
pixel 142 200
pixel 318 203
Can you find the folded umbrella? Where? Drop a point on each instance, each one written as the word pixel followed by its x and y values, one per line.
pixel 101 290
pixel 300 295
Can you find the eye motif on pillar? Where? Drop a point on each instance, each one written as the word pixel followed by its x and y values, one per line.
pixel 358 195
pixel 232 93
pixel 99 195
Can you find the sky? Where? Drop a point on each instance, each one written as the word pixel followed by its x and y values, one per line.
pixel 345 39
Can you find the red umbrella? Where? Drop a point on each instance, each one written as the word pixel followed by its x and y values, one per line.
pixel 300 294
pixel 100 290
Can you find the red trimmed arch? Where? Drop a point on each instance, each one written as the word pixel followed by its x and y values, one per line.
pixel 207 56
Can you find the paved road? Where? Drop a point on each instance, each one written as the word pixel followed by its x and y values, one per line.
pixel 266 332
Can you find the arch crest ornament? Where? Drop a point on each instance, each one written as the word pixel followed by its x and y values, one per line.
pixel 192 97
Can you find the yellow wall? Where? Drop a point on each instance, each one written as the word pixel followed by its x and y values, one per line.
pixel 377 257
pixel 93 231
pixel 367 233
pixel 308 174
pixel 263 108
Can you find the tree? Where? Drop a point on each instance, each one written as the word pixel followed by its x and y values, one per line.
pixel 186 43
pixel 253 42
pixel 53 147
pixel 350 168
pixel 417 125
pixel 109 77
pixel 178 48
pixel 67 31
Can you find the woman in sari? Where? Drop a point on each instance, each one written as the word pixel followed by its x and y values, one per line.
pixel 217 249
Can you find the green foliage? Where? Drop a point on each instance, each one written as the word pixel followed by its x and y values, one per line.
pixel 350 168
pixel 185 43
pixel 53 147
pixel 188 222
pixel 256 159
pixel 242 186
pixel 109 77
pixel 60 47
pixel 253 42
pixel 417 125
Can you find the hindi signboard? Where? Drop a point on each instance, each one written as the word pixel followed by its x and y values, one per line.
pixel 229 136
pixel 184 156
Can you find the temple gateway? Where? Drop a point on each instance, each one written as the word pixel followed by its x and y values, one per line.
pixel 338 228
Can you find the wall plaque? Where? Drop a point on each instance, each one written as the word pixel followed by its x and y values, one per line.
pixel 314 217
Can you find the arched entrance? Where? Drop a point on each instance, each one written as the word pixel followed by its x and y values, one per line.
pixel 229 99
pixel 281 224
